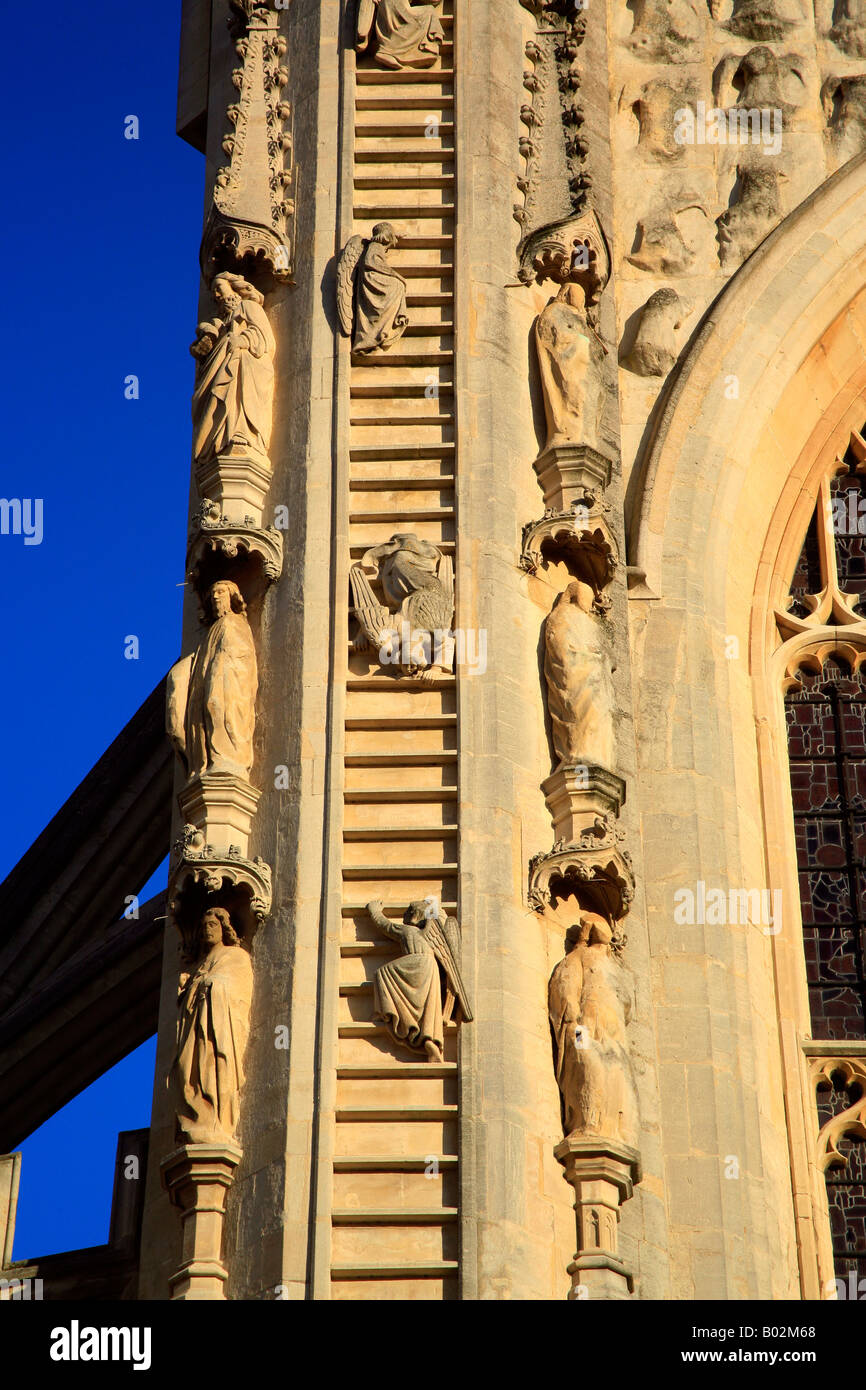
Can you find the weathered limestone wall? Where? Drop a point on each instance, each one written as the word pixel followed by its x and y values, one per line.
pixel 721 479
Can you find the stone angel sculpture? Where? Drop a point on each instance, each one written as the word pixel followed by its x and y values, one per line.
pixel 590 1000
pixel 371 294
pixel 214 1003
pixel 406 35
pixel 414 630
pixel 233 399
pixel 408 992
pixel 211 694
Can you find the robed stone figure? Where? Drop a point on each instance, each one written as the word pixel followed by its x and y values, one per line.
pixel 211 695
pixel 214 1003
pixel 578 674
pixel 570 358
pixel 407 992
pixel 590 1001
pixel 233 400
pixel 406 35
pixel 371 294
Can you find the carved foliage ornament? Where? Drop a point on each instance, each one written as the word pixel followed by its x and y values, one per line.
pixel 251 222
pixel 850 1122
pixel 555 179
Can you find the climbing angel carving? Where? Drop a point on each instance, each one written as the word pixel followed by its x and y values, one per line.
pixel 371 294
pixel 408 992
pixel 413 628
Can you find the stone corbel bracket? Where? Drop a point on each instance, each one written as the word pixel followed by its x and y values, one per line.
pixel 581 538
pixel 251 224
pixel 555 179
pixel 201 876
pixel 197 1178
pixel 595 868
pixel 604 1174
pixel 214 540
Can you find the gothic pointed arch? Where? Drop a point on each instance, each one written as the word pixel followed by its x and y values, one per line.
pixel 772 385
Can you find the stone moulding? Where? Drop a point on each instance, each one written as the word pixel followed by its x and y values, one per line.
pixel 850 1122
pixel 602 876
pixel 250 226
pixel 221 806
pixel 604 1174
pixel 589 550
pixel 200 875
pixel 213 534
pixel 555 180
pixel 583 803
pixel 197 1178
pixel 236 481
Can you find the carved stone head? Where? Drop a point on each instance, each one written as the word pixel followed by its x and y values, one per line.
pixel 215 928
pixel 384 232
pixel 226 597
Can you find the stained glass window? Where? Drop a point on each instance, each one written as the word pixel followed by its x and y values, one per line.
pixel 825 712
pixel 846 1186
pixel 827 751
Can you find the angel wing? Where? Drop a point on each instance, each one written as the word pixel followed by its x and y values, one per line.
pixel 373 617
pixel 346 267
pixel 366 16
pixel 444 938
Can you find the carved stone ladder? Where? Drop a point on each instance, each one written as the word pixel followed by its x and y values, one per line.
pixel 395 1180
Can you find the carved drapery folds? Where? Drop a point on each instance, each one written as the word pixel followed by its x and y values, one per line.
pixel 250 227
pixel 421 991
pixel 410 630
pixel 590 992
pixel 371 294
pixel 399 33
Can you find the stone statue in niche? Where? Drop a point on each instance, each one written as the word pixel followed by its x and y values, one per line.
pixel 590 1002
pixel 764 19
pixel 232 404
pixel 578 673
pixel 406 35
pixel 849 30
pixel 371 294
pixel 654 351
pixel 211 695
pixel 408 992
pixel 844 103
pixel 214 1003
pixel 756 211
pixel 570 356
pixel 765 80
pixel 414 631
pixel 665 30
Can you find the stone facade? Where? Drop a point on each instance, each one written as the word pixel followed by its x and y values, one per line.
pixel 531 336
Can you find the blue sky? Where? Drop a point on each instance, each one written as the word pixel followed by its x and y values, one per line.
pixel 101 260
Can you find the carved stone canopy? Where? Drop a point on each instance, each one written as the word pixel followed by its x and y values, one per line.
pixel 575 249
pixel 220 548
pixel 201 877
pixel 602 877
pixel 584 542
pixel 250 226
pixel 555 181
